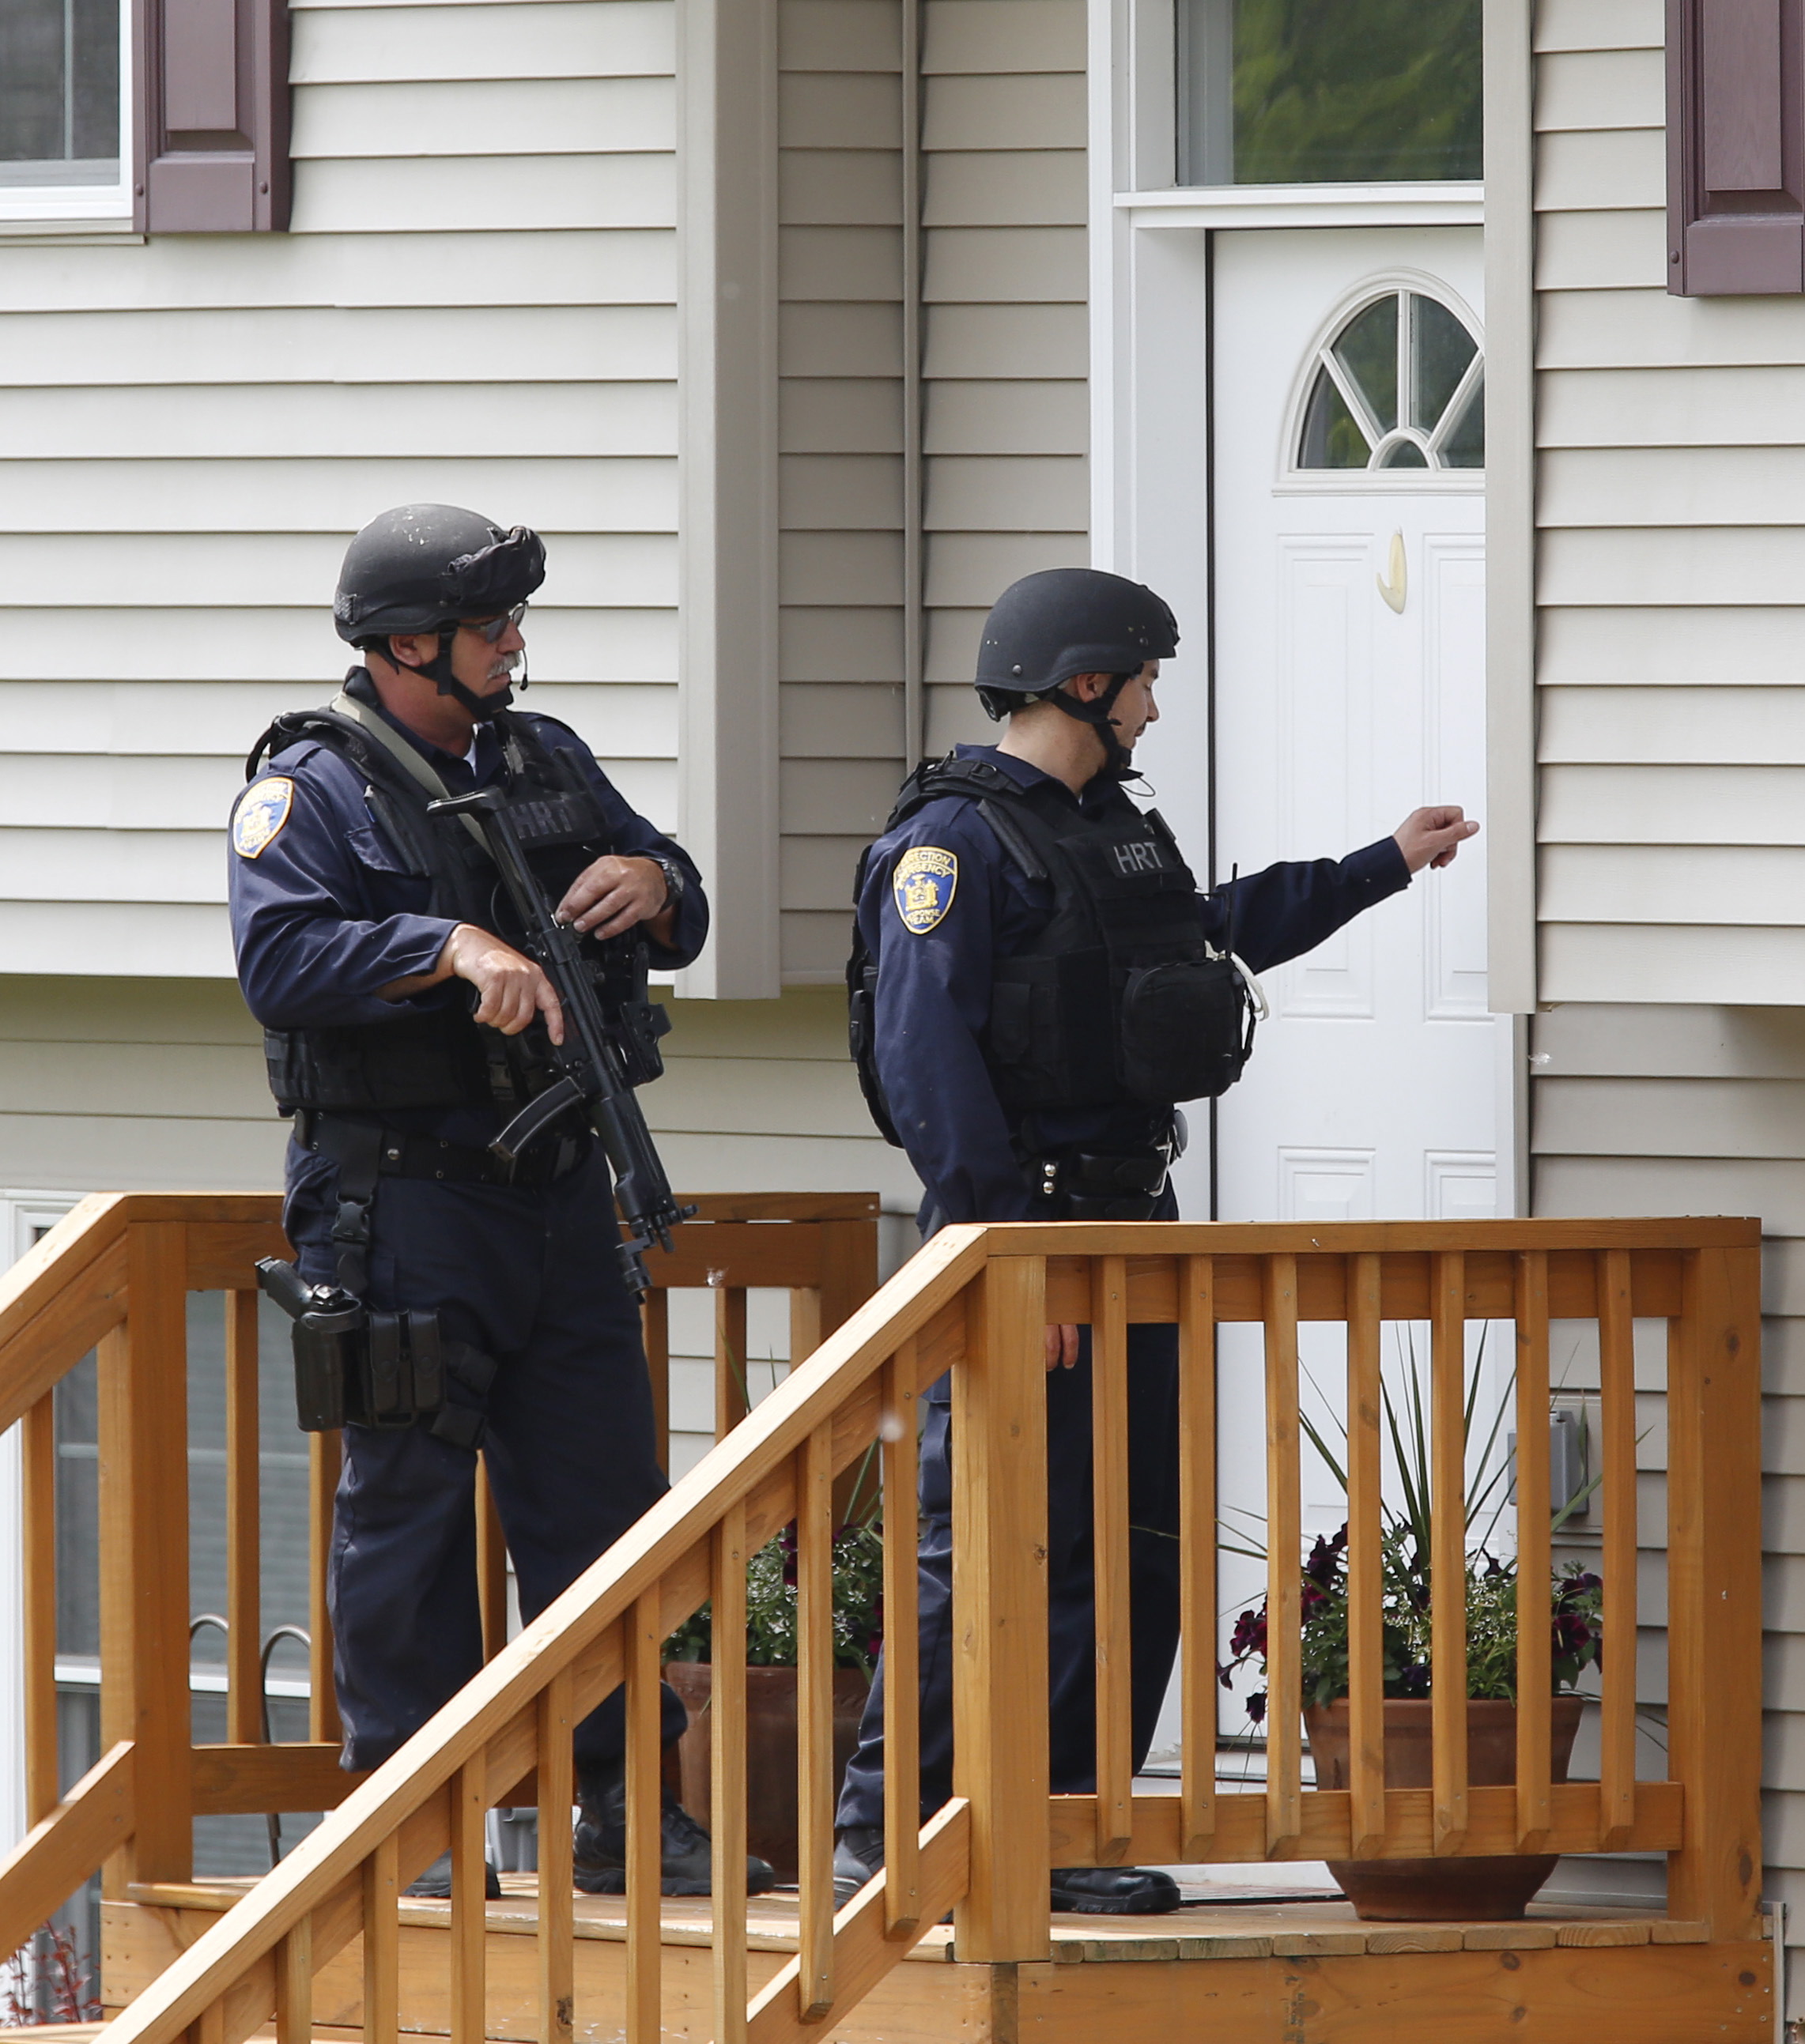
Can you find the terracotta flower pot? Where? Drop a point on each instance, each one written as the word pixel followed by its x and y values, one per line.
pixel 771 1750
pixel 1454 1889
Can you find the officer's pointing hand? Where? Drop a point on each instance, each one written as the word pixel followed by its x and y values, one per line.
pixel 1431 837
pixel 510 988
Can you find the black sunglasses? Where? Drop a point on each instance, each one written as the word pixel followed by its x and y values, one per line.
pixel 492 628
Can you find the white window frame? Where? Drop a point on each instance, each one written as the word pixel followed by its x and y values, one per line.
pixel 21 1215
pixel 26 206
pixel 1292 479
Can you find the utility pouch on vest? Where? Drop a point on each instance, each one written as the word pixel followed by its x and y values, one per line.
pixel 373 1370
pixel 1187 1030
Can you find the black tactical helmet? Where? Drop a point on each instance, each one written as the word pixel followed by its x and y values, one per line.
pixel 421 567
pixel 1048 627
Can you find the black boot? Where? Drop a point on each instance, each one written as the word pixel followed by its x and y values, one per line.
pixel 599 1848
pixel 1082 1891
pixel 1113 1891
pixel 434 1885
pixel 858 1856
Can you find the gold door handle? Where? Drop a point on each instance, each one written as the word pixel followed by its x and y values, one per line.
pixel 1394 586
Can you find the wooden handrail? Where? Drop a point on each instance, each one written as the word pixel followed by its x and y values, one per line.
pixel 974 1303
pixel 113 1276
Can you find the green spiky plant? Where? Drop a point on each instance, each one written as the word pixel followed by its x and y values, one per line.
pixel 1575 1598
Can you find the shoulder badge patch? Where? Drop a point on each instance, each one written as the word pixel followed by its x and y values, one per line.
pixel 262 812
pixel 924 884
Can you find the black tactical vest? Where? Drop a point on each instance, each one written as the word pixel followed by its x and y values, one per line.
pixel 1118 999
pixel 439 1057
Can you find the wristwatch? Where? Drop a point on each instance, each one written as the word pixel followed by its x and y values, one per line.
pixel 675 882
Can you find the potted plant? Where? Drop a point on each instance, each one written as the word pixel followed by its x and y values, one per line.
pixel 1478 1888
pixel 770 1680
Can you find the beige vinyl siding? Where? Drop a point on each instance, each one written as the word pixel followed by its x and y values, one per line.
pixel 839 485
pixel 160 1083
pixel 476 304
pixel 1671 570
pixel 1671 778
pixel 1005 326
pixel 1004 415
pixel 1658 1109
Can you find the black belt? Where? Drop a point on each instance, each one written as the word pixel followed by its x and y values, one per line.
pixel 401 1155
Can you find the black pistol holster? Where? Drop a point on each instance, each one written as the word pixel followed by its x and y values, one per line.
pixel 372 1369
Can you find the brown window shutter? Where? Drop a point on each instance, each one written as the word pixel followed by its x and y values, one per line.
pixel 210 85
pixel 1735 146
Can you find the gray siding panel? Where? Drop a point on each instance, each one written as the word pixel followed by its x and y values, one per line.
pixel 1004 332
pixel 1671 812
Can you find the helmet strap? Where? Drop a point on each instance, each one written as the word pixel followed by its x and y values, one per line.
pixel 1119 761
pixel 438 670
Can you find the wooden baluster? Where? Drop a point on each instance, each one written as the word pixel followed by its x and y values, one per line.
pixel 727 1785
pixel 1714 1573
pixel 556 1892
pixel 1284 1561
pixel 1448 1541
pixel 1617 1413
pixel 901 1646
pixel 324 1452
pixel 999 1602
pixel 294 1987
pixel 1366 1645
pixel 732 1381
pixel 1111 1574
pixel 814 1721
pixel 382 1942
pixel 1197 1551
pixel 805 1322
pixel 655 1327
pixel 645 1922
pixel 38 1559
pixel 469 1903
pixel 1535 1680
pixel 143 1561
pixel 244 1537
pixel 491 1564
pixel 848 1272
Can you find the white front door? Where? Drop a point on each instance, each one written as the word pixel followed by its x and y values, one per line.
pixel 1349 573
pixel 1349 690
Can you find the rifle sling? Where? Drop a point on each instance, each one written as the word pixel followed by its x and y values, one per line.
pixel 409 761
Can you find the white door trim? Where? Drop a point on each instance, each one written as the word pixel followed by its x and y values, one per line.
pixel 1448 204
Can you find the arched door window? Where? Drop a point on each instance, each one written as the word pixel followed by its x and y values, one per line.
pixel 1400 384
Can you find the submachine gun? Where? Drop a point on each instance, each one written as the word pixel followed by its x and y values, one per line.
pixel 390 1369
pixel 607 1051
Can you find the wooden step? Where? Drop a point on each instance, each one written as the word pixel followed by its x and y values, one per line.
pixel 1261 1972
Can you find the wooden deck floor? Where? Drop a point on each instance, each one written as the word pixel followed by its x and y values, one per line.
pixel 1248 1971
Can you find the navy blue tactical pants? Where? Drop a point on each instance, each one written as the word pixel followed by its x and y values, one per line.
pixel 1153 1554
pixel 528 1275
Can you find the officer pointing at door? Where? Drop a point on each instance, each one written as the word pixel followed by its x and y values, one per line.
pixel 1035 985
pixel 403 1030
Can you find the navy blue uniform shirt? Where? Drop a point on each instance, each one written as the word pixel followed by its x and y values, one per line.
pixel 325 913
pixel 933 986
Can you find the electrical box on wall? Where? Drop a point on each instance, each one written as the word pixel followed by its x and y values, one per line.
pixel 1569 1460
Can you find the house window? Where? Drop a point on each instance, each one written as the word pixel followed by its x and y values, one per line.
pixel 1284 92
pixel 62 119
pixel 1399 384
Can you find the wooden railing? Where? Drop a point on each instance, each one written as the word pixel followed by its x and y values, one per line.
pixel 975 1302
pixel 113 1275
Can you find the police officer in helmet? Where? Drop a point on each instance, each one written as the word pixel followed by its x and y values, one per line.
pixel 1035 985
pixel 403 1030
